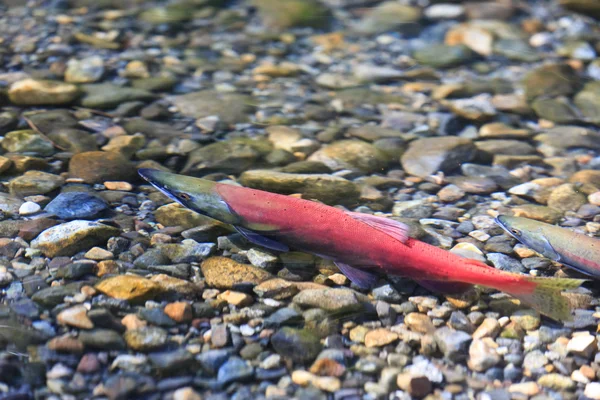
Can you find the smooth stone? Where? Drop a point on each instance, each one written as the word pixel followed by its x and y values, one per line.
pixel 426 156
pixel 231 108
pixel 30 92
pixel 76 205
pixel 225 273
pixel 106 95
pixel 72 237
pixel 27 141
pixel 100 166
pixel 129 287
pixel 354 155
pixel 298 345
pixel 34 183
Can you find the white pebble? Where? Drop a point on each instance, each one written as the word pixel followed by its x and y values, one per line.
pixel 29 207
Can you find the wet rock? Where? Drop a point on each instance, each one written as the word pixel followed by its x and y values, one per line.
pixel 72 237
pixel 583 345
pixel 87 70
pixel 35 182
pixel 353 155
pixel 27 141
pixel 565 137
pixel 389 16
pixel 443 56
pixel 102 339
pixel 73 140
pixel 380 337
pixel 550 81
pixel 298 345
pixel 556 381
pixel 225 273
pixel 539 213
pixel 427 156
pixel 233 370
pixel 287 14
pixel 76 205
pixel 106 95
pixel 588 102
pixel 100 166
pixel 145 339
pixel 567 197
pixel 76 317
pixel 417 386
pixel 326 188
pixel 129 287
pixel 187 251
pixel 30 92
pixel 483 355
pixel 231 108
pixel 328 299
pixel 585 7
pixel 231 156
pixel 454 344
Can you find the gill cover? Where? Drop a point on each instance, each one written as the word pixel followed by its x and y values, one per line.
pixel 530 233
pixel 199 195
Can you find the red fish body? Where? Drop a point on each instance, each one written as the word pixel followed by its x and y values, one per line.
pixel 359 244
pixel 336 234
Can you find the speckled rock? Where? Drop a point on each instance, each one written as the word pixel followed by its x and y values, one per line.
pixel 351 154
pixel 101 166
pixel 225 273
pixel 326 188
pixel 129 287
pixel 72 237
pixel 427 156
pixel 298 345
pixel 35 182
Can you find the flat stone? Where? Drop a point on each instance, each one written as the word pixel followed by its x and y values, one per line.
pixel 100 166
pixel 426 156
pixel 30 92
pixel 72 237
pixel 76 317
pixel 129 287
pixel 225 273
pixel 34 183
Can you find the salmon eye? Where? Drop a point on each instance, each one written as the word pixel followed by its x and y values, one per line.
pixel 184 196
pixel 515 231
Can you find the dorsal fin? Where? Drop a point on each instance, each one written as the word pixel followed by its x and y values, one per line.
pixel 395 229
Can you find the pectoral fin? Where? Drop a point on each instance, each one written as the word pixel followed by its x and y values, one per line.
pixel 362 279
pixel 395 229
pixel 261 240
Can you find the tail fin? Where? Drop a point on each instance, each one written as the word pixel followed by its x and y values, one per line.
pixel 547 299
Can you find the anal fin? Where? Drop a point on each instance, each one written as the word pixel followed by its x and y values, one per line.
pixel 362 279
pixel 261 240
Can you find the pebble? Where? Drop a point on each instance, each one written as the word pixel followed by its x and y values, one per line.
pixel 29 208
pixel 179 311
pixel 325 383
pixel 380 337
pixel 129 287
pixel 76 317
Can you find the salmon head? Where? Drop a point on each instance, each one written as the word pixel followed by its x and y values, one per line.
pixel 199 195
pixel 529 232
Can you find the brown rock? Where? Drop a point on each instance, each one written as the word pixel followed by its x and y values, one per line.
pixel 179 311
pixel 76 317
pixel 129 287
pixel 417 386
pixel 327 367
pixel 132 321
pixel 237 299
pixel 65 344
pixel 224 273
pixel 180 286
pixel 101 166
pixel 380 337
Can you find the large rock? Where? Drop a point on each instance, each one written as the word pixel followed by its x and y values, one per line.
pixel 129 287
pixel 27 141
pixel 564 137
pixel 550 81
pixel 225 273
pixel 429 155
pixel 35 182
pixel 390 16
pixel 585 7
pixel 73 140
pixel 72 237
pixel 285 14
pixel 106 95
pixel 30 92
pixel 231 108
pixel 352 154
pixel 230 157
pixel 101 166
pixel 299 345
pixel 326 188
